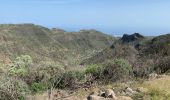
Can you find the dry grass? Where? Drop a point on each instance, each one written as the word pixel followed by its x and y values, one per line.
pixel 160 84
pixel 158 89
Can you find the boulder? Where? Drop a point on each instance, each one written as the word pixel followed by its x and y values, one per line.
pixel 102 94
pixel 152 76
pixel 141 89
pixel 124 98
pixel 109 93
pixel 130 38
pixel 161 76
pixel 129 91
pixel 95 97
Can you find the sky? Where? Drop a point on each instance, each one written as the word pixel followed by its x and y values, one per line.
pixel 116 17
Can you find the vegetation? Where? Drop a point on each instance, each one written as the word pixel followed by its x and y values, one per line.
pixel 44 44
pixel 53 59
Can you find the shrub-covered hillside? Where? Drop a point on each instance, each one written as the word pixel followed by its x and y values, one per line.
pixel 35 60
pixel 44 44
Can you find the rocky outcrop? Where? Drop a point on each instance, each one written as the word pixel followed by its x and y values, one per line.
pixel 141 89
pixel 152 76
pixel 95 97
pixel 130 38
pixel 129 91
pixel 108 94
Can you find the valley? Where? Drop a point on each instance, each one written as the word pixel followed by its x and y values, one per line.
pixel 38 63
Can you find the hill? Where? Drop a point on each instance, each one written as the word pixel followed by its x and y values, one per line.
pixel 159 45
pixel 44 44
pixel 122 48
pixel 131 38
pixel 132 46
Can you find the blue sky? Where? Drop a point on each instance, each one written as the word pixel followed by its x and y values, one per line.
pixel 149 17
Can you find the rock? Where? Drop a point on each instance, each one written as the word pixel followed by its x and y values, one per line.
pixel 130 38
pixel 102 94
pixel 152 76
pixel 161 76
pixel 124 98
pixel 60 94
pixel 129 91
pixel 93 93
pixel 109 93
pixel 122 93
pixel 71 98
pixel 95 97
pixel 141 89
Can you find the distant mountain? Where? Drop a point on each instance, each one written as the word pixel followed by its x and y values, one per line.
pixel 131 46
pixel 159 45
pixel 131 38
pixel 126 46
pixel 45 44
pixel 84 39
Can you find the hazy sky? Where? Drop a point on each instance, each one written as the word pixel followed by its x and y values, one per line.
pixel 150 17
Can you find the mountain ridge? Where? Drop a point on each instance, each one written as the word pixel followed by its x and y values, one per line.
pixel 49 44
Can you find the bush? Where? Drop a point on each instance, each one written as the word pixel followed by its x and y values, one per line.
pixel 20 67
pixel 143 67
pixel 71 78
pixel 119 69
pixel 163 65
pixel 18 71
pixel 110 70
pixel 37 87
pixel 12 89
pixel 94 70
pixel 51 72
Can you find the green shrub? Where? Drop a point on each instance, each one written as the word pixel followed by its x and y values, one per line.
pixel 37 87
pixel 20 67
pixel 12 89
pixel 163 64
pixel 110 70
pixel 79 75
pixel 22 61
pixel 18 71
pixel 70 79
pixel 143 67
pixel 118 69
pixel 93 69
pixel 51 73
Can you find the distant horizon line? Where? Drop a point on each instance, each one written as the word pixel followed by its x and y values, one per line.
pixel 66 30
